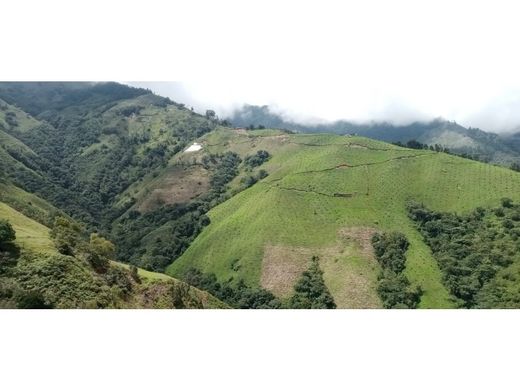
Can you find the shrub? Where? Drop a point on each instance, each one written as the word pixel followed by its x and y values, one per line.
pixel 7 233
pixel 311 291
pixel 393 288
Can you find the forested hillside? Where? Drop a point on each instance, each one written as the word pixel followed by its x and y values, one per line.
pixel 93 174
pixel 88 149
pixel 64 267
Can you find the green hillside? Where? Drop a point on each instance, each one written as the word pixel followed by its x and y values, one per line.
pixel 325 195
pixel 34 275
pixel 481 145
pixel 260 219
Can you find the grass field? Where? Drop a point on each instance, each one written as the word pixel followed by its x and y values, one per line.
pixel 321 184
pixel 33 237
pixel 30 235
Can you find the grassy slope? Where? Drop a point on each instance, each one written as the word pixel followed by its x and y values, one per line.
pixel 26 203
pixel 295 205
pixel 32 236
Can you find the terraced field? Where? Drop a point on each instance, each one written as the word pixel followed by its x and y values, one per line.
pixel 321 186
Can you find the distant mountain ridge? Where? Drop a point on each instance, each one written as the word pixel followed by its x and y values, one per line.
pixel 486 146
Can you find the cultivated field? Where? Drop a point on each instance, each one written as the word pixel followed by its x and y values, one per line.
pixel 322 185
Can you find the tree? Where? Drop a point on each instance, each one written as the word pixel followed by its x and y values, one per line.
pixel 507 202
pixel 7 233
pixel 100 252
pixel 210 114
pixel 102 247
pixel 66 235
pixel 311 291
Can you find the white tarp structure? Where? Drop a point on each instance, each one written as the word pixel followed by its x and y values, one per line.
pixel 194 148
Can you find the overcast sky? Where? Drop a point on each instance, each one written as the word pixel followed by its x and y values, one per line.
pixel 395 61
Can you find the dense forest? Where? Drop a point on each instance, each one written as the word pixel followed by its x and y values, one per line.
pixel 478 253
pixel 89 142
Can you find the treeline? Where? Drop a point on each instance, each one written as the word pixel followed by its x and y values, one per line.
pixel 251 162
pixel 179 223
pixel 82 275
pixel 393 287
pixel 414 144
pixel 478 253
pixel 310 291
pixel 83 181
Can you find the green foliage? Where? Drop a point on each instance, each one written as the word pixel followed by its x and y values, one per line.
pixel 100 252
pixel 394 288
pixel 60 281
pixel 390 250
pixel 67 235
pixel 89 142
pixel 478 253
pixel 296 204
pixel 238 296
pixel 310 290
pixel 7 233
pixel 155 239
pixel 257 159
pixel 396 292
pixel 250 180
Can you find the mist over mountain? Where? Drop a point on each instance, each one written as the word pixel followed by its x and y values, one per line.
pixel 487 146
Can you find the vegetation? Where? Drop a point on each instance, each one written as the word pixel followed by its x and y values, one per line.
pixel 394 287
pixel 469 142
pixel 320 184
pixel 7 233
pixel 88 142
pixel 257 159
pixel 77 161
pixel 478 252
pixel 34 275
pixel 310 290
pixel 136 234
pixel 238 296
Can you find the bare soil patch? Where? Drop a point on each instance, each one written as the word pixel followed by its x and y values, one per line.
pixel 362 236
pixel 179 185
pixel 350 268
pixel 282 266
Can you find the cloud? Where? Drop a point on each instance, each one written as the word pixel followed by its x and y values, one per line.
pixel 397 61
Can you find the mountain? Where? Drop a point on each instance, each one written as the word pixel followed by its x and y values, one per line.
pixel 326 196
pixel 108 186
pixel 501 149
pixel 95 151
pixel 33 274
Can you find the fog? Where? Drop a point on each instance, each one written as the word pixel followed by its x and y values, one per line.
pixel 397 61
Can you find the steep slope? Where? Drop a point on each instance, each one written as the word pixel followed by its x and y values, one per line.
pixel 326 195
pixel 34 275
pixel 86 143
pixel 482 145
pixel 100 151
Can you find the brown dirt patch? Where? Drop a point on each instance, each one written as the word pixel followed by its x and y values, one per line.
pixel 179 185
pixel 282 266
pixel 350 268
pixel 362 236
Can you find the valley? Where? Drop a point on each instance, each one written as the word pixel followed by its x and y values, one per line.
pixel 261 218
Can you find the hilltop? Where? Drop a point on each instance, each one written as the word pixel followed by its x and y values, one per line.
pixel 501 149
pixel 326 195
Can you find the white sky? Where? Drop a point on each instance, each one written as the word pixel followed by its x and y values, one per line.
pixel 362 60
pixel 371 60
